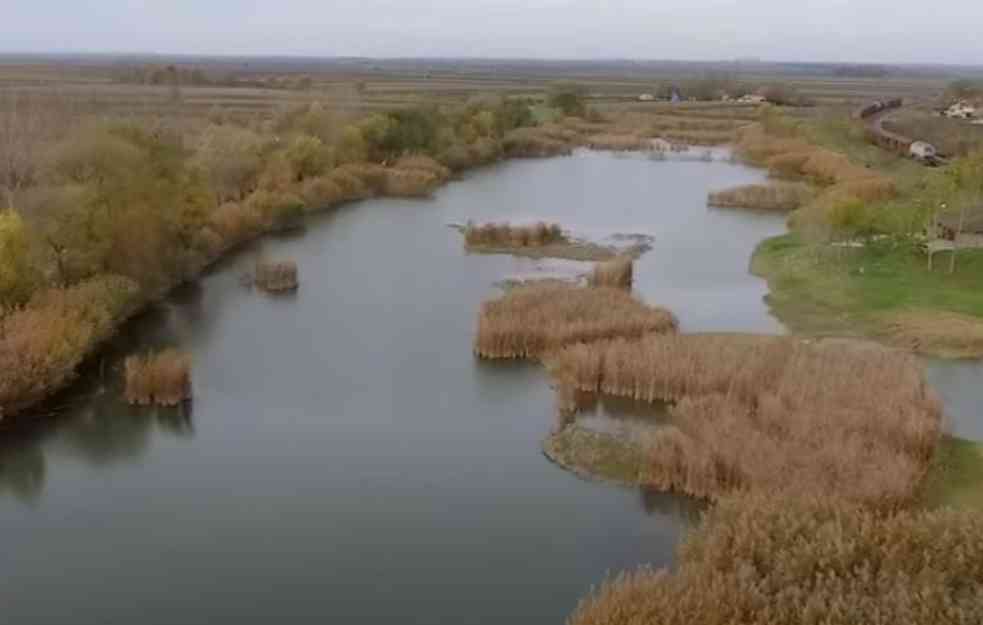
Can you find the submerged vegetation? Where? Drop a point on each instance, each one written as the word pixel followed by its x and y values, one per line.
pixel 531 321
pixel 759 559
pixel 162 378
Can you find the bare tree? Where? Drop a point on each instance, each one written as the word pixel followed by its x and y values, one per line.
pixel 27 124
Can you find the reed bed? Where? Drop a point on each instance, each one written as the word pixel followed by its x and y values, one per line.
pixel 843 418
pixel 776 197
pixel 276 276
pixel 697 137
pixel 761 560
pixel 162 378
pixel 616 273
pixel 619 142
pixel 513 235
pixel 530 321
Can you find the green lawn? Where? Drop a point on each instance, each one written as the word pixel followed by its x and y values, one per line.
pixel 956 480
pixel 875 291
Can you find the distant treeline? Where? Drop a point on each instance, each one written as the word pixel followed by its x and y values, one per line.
pixel 176 76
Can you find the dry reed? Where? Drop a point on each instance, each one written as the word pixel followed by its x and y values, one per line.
pixel 617 272
pixel 163 378
pixel 757 560
pixel 830 418
pixel 276 277
pixel 539 142
pixel 529 321
pixel 508 235
pixel 777 197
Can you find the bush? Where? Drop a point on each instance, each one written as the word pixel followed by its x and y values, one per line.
pixel 236 222
pixel 762 560
pixel 16 280
pixel 42 343
pixel 277 211
pixel 163 378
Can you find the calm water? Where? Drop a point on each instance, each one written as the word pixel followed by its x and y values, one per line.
pixel 346 457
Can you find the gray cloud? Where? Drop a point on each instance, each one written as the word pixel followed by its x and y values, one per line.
pixel 808 30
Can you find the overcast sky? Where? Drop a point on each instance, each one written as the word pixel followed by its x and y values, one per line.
pixel 943 31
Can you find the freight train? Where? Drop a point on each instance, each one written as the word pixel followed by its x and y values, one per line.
pixel 871 114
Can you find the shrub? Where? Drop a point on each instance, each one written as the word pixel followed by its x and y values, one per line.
pixel 276 277
pixel 758 560
pixel 163 378
pixel 410 183
pixel 42 343
pixel 277 211
pixel 420 162
pixel 236 222
pixel 853 420
pixel 617 273
pixel 529 321
pixel 16 280
pixel 536 143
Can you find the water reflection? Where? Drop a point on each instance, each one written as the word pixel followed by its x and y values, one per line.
pixel 99 430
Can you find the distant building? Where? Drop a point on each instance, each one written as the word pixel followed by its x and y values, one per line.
pixel 960 110
pixel 752 98
pixel 646 97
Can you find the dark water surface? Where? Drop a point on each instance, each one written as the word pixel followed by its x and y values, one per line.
pixel 346 459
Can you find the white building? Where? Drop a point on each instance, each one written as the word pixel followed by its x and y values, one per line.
pixel 646 97
pixel 752 98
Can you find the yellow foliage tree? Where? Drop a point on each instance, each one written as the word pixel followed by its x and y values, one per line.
pixel 15 273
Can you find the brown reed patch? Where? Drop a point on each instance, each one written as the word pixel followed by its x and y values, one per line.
pixel 776 197
pixel 529 321
pixel 276 277
pixel 513 235
pixel 617 273
pixel 835 417
pixel 413 183
pixel 758 559
pixel 162 378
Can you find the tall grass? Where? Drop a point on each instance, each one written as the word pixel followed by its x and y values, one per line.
pixel 513 235
pixel 760 560
pixel 777 197
pixel 276 277
pixel 162 378
pixel 854 420
pixel 529 321
pixel 618 142
pixel 617 272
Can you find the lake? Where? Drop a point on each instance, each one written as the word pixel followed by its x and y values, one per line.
pixel 346 456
